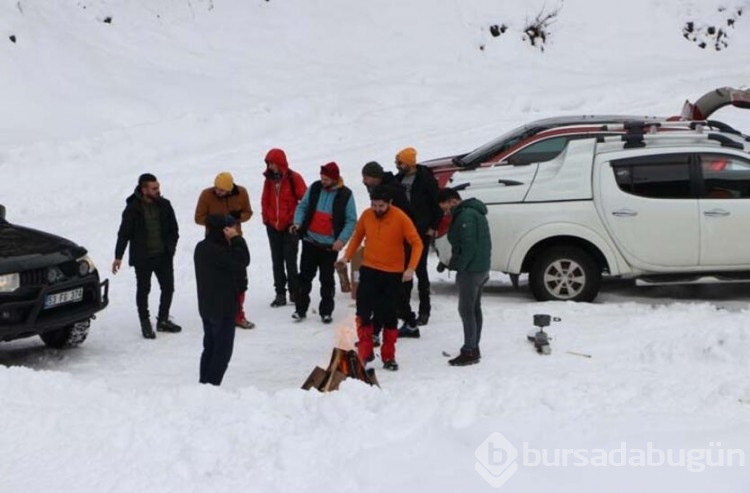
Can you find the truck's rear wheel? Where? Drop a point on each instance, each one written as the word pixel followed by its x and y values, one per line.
pixel 565 274
pixel 67 337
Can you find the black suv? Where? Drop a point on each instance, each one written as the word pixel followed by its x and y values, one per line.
pixel 48 287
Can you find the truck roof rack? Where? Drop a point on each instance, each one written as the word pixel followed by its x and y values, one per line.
pixel 636 140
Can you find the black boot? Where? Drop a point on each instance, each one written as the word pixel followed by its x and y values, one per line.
pixel 147 329
pixel 467 357
pixel 280 300
pixel 166 325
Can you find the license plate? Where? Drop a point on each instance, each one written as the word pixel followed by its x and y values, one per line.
pixel 72 296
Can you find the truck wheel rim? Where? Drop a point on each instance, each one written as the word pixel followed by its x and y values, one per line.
pixel 565 279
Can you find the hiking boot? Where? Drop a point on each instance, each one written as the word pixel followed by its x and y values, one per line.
pixel 390 365
pixel 423 318
pixel 407 330
pixel 280 300
pixel 244 324
pixel 327 319
pixel 466 358
pixel 166 325
pixel 299 316
pixel 147 329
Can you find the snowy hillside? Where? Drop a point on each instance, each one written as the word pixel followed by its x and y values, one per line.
pixel 95 92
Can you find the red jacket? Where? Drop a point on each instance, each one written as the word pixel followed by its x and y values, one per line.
pixel 281 192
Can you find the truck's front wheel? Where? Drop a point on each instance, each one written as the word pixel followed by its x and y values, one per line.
pixel 69 336
pixel 565 274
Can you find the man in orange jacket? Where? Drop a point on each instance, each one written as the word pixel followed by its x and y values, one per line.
pixel 382 271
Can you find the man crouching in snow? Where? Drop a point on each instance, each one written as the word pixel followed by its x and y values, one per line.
pixel 384 229
pixel 221 260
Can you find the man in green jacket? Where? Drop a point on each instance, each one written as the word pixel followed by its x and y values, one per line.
pixel 469 236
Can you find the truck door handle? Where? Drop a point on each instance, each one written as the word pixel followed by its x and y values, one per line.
pixel 624 213
pixel 716 213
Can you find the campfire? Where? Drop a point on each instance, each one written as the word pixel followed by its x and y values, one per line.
pixel 345 363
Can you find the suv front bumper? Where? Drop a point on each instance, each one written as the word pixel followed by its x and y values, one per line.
pixel 28 317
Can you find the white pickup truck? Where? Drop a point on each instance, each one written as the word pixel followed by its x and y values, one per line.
pixel 670 203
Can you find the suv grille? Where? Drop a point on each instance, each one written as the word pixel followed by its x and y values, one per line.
pixel 50 275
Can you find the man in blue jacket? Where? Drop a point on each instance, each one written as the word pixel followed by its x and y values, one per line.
pixel 469 236
pixel 325 220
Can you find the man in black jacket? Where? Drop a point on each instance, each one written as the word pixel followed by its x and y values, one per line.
pixel 149 225
pixel 422 190
pixel 221 260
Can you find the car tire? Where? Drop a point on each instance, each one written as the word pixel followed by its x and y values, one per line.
pixel 565 274
pixel 67 337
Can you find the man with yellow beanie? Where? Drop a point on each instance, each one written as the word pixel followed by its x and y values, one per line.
pixel 422 191
pixel 228 199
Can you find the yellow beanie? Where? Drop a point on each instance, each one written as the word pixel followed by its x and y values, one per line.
pixel 407 156
pixel 224 181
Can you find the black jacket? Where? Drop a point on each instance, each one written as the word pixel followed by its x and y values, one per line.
pixel 398 193
pixel 220 271
pixel 425 210
pixel 133 229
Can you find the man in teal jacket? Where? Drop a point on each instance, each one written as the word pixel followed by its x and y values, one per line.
pixel 325 220
pixel 469 236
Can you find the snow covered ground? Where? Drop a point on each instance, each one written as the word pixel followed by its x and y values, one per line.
pixel 188 88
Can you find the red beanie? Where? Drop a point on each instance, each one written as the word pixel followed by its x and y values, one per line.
pixel 277 157
pixel 331 170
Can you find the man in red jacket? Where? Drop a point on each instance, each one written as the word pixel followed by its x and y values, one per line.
pixel 282 191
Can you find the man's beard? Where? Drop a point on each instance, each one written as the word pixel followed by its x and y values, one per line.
pixel 380 214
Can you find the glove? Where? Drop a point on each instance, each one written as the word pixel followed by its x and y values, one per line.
pixel 235 214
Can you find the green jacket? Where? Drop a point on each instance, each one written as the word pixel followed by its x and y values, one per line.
pixel 469 236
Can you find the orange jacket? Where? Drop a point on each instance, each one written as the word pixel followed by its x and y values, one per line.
pixel 237 204
pixel 384 240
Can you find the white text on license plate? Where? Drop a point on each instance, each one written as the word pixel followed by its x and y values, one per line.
pixel 71 296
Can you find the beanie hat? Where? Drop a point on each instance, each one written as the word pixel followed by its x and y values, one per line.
pixel 373 170
pixel 224 181
pixel 331 170
pixel 407 156
pixel 277 157
pixel 220 221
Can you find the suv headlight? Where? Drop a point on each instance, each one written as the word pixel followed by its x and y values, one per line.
pixel 9 282
pixel 86 266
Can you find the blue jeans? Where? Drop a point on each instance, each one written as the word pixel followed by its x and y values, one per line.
pixel 218 344
pixel 470 305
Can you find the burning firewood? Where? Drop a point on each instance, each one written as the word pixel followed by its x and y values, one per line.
pixel 344 364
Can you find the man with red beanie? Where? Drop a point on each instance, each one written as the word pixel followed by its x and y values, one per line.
pixel 324 219
pixel 282 191
pixel 385 229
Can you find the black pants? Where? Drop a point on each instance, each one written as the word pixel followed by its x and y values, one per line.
pixel 162 267
pixel 423 279
pixel 284 246
pixel 316 258
pixel 378 296
pixel 218 344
